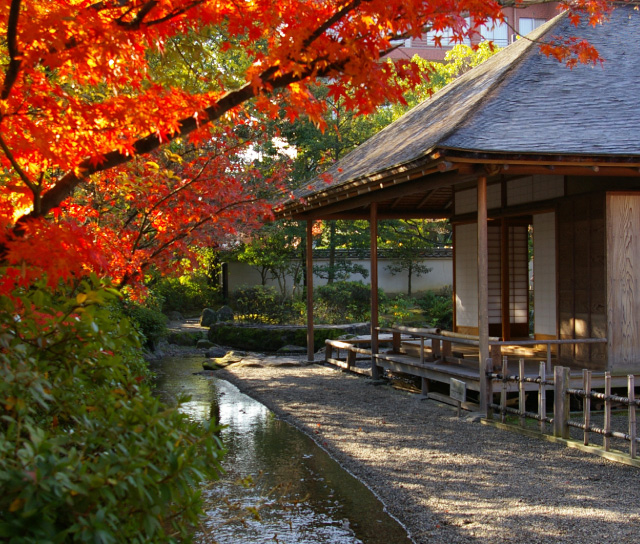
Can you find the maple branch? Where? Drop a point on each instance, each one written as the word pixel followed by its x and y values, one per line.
pixel 144 223
pixel 14 55
pixel 67 183
pixel 184 234
pixel 23 176
pixel 337 16
pixel 137 20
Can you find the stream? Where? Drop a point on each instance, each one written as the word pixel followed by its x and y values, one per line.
pixel 279 486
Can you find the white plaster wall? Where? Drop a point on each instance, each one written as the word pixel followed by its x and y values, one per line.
pixel 441 275
pixel 466 271
pixel 544 273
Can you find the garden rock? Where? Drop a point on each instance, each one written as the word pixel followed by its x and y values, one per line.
pixel 216 352
pixel 204 344
pixel 225 314
pixel 175 316
pixel 208 317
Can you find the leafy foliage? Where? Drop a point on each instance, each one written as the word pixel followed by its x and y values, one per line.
pixel 91 87
pixel 187 294
pixel 87 454
pixel 149 321
pixel 438 308
pixel 261 304
pixel 343 302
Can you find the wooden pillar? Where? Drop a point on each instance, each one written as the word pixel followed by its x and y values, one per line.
pixel 309 257
pixel 373 224
pixel 483 287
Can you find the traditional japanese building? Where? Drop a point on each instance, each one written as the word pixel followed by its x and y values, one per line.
pixel 527 158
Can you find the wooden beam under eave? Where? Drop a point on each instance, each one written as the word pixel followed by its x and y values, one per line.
pixel 352 216
pixel 309 271
pixel 338 203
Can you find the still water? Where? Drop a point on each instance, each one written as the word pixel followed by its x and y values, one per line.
pixel 279 486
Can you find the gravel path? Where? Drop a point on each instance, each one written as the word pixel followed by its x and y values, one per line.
pixel 450 480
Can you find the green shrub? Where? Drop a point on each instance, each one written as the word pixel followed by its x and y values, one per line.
pixel 87 453
pixel 438 308
pixel 343 302
pixel 150 323
pixel 260 304
pixel 401 309
pixel 187 295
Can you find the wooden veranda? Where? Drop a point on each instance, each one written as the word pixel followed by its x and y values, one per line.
pixel 511 147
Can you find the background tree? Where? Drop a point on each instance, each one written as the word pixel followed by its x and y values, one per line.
pixel 408 240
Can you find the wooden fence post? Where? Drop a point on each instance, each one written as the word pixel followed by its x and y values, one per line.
pixel 542 398
pixel 560 402
pixel 586 405
pixel 503 391
pixel 632 417
pixel 522 398
pixel 606 442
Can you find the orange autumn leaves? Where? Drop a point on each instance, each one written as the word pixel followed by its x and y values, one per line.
pixel 81 112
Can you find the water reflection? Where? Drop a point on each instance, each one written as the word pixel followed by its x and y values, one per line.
pixel 293 493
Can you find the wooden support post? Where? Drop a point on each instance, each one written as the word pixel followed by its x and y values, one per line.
pixel 548 357
pixel 503 392
pixel 328 352
pixel 351 358
pixel 483 270
pixel 607 412
pixel 422 350
pixel 486 387
pixel 633 444
pixel 446 350
pixel 425 387
pixel 521 392
pixel 397 341
pixel 560 402
pixel 373 225
pixel 496 352
pixel 435 348
pixel 309 263
pixel 586 405
pixel 542 398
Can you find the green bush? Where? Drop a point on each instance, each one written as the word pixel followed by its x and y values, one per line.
pixel 87 453
pixel 438 308
pixel 186 295
pixel 260 304
pixel 150 323
pixel 343 302
pixel 402 310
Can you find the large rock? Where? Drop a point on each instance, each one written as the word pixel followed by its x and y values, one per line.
pixel 216 352
pixel 225 314
pixel 175 316
pixel 208 317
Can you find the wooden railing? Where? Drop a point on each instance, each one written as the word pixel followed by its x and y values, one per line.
pixel 562 422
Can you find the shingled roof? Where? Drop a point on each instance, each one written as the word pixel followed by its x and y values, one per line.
pixel 518 103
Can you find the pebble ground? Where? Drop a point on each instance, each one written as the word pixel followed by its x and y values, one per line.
pixel 449 480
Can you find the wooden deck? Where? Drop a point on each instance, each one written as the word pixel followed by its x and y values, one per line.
pixel 432 358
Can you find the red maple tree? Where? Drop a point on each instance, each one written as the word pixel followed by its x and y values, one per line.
pixel 83 115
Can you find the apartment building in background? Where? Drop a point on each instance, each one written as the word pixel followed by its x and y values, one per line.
pixel 518 21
